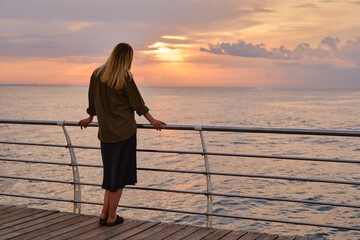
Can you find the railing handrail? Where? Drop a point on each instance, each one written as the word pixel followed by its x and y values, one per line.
pixel 344 133
pixel 335 160
pixel 191 192
pixel 204 173
pixel 207 172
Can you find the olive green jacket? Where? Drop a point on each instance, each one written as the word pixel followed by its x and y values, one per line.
pixel 115 109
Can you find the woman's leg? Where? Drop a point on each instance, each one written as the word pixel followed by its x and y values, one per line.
pixel 105 210
pixel 114 198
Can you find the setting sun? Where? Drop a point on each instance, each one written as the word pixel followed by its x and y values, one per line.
pixel 165 52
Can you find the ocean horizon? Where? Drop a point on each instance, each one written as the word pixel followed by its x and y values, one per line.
pixel 220 87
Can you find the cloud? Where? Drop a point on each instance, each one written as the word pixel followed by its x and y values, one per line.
pixel 244 49
pixel 329 50
pixel 351 50
pixel 174 37
pixel 307 5
pixel 176 12
pixel 319 75
pixel 354 2
pixel 92 28
pixel 77 26
pixel 332 64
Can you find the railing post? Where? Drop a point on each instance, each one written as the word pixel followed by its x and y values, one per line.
pixel 75 170
pixel 208 177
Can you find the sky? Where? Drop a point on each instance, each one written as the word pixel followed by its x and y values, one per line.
pixel 184 43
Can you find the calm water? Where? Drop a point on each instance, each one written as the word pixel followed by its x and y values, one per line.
pixel 250 107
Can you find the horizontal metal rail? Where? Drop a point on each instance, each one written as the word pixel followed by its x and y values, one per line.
pixel 191 212
pixel 191 192
pixel 203 172
pixel 197 153
pixel 246 196
pixel 199 128
pixel 35 144
pixel 253 176
pixel 343 133
pixel 39 162
pixel 247 155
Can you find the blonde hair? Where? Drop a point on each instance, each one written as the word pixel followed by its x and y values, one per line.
pixel 117 67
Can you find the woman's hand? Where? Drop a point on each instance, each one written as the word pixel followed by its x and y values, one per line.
pixel 158 125
pixel 85 122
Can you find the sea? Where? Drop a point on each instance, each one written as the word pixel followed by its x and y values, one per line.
pixel 326 109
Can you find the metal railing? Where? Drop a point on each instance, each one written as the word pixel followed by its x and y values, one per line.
pixel 207 172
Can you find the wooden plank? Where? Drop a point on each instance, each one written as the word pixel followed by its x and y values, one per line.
pixel 136 230
pixel 100 231
pixel 5 207
pixel 87 226
pixel 234 235
pixel 9 206
pixel 89 231
pixel 218 234
pixel 18 222
pixel 30 226
pixel 34 217
pixel 203 232
pixel 116 230
pixel 33 225
pixel 286 238
pixel 19 214
pixel 250 236
pixel 306 238
pixel 170 230
pixel 266 236
pixel 63 232
pixel 46 228
pixel 150 231
pixel 9 210
pixel 183 232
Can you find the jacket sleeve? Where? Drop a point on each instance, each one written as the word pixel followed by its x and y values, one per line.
pixel 135 99
pixel 91 109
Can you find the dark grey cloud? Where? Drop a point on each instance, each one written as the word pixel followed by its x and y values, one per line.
pixel 320 75
pixel 243 49
pixel 331 42
pixel 329 49
pixel 351 50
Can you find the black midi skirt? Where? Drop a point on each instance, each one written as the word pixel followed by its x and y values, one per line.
pixel 119 161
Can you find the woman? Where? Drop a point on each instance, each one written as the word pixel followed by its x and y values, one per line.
pixel 113 97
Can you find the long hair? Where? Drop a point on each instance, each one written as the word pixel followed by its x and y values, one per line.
pixel 117 67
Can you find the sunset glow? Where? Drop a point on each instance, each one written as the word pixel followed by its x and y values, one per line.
pixel 184 43
pixel 174 37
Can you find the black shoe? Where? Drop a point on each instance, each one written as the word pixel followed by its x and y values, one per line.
pixel 117 221
pixel 102 221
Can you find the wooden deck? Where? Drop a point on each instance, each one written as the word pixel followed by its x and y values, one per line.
pixel 19 222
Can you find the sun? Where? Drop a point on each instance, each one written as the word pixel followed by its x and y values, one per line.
pixel 165 52
pixel 170 49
